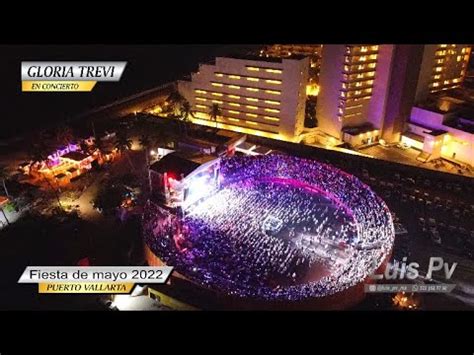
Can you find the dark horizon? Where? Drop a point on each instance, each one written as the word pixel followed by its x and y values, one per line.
pixel 148 66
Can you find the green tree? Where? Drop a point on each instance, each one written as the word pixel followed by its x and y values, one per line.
pixel 214 113
pixel 124 144
pixel 3 177
pixel 186 112
pixel 38 154
pixel 64 135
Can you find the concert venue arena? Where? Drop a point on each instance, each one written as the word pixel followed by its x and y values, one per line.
pixel 276 231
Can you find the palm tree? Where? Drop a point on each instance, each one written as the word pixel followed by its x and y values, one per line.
pixel 124 144
pixel 215 112
pixel 38 154
pixel 145 142
pixel 186 111
pixel 3 177
pixel 64 135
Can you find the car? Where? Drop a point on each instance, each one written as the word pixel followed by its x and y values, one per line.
pixel 403 145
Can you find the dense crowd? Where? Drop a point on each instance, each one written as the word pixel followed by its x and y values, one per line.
pixel 328 219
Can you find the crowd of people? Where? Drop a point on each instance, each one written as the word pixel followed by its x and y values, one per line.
pixel 327 218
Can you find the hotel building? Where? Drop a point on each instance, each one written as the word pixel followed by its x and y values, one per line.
pixel 443 67
pixel 347 82
pixel 256 95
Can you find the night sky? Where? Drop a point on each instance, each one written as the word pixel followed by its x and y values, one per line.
pixel 148 66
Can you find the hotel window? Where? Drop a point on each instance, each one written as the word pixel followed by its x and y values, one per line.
pixel 270 118
pixel 373 56
pixel 216 94
pixel 200 91
pixel 357 92
pixel 234 96
pixel 217 84
pixel 344 85
pixel 201 106
pixel 340 111
pixel 363 49
pixel 234 112
pixel 252 107
pixel 217 102
pixel 251 99
pixel 273 92
pixel 201 99
pixel 234 104
pixel 251 115
pixel 358 84
pixel 272 102
pixel 219 75
pixel 372 65
pixel 435 85
pixel 438 69
pixel 363 58
pixel 252 89
pixel 234 77
pixel 253 79
pixel 252 123
pixel 272 110
pixel 361 67
pixel 233 119
pixel 343 94
pixel 234 87
pixel 437 76
pixel 459 58
pixel 368 91
pixel 253 68
pixel 443 45
pixel 276 82
pixel 274 71
pixel 374 48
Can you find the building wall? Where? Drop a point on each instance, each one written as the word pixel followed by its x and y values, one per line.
pixel 255 96
pixel 443 67
pixel 347 79
pixel 456 144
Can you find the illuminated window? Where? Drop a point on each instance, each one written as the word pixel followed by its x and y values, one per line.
pixel 253 79
pixel 374 48
pixel 251 115
pixel 438 69
pixel 217 84
pixel 234 87
pixel 200 91
pixel 234 112
pixel 201 99
pixel 373 56
pixel 253 68
pixel 252 89
pixel 357 92
pixel 435 84
pixel 234 104
pixel 234 96
pixel 368 91
pixel 372 65
pixel 363 49
pixel 340 111
pixel 346 68
pixel 437 76
pixel 252 107
pixel 277 82
pixel 233 119
pixel 216 94
pixel 274 71
pixel 252 99
pixel 446 82
pixel 217 102
pixel 363 58
pixel 234 76
pixel 443 45
pixel 219 75
pixel 270 118
pixel 459 58
pixel 272 110
pixel 201 106
pixel 272 102
pixel 273 92
pixel 252 123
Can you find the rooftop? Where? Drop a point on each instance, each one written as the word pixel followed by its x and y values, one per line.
pixel 181 163
pixel 267 59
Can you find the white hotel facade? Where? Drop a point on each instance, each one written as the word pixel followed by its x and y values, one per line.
pixel 258 96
